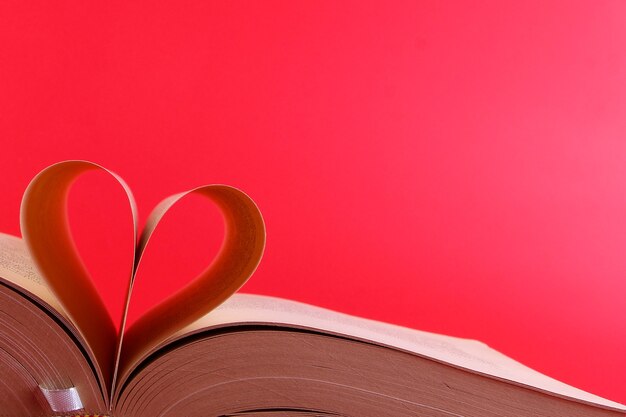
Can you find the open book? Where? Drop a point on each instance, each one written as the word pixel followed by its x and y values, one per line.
pixel 206 351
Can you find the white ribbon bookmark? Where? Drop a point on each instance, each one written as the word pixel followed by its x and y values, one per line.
pixel 63 400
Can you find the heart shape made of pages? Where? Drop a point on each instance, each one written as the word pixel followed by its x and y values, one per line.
pixel 45 228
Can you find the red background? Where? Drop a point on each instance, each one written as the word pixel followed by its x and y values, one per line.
pixel 456 167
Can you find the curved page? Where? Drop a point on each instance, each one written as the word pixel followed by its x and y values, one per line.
pixel 46 231
pixel 238 258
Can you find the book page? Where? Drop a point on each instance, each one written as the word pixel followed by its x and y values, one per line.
pixel 237 259
pixel 17 268
pixel 46 231
pixel 475 356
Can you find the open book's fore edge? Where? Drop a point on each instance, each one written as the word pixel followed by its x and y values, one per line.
pixel 226 330
pixel 265 326
pixel 337 324
pixel 63 324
